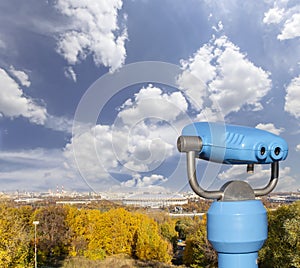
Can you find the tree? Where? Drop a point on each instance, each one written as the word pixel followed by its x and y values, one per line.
pixel 15 237
pixel 149 245
pixel 78 222
pixel 185 226
pixel 198 251
pixel 120 231
pixel 167 230
pixel 53 233
pixel 282 248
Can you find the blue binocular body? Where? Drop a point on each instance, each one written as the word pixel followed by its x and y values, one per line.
pixel 231 144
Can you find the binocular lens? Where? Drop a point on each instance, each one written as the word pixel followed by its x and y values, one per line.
pixel 277 151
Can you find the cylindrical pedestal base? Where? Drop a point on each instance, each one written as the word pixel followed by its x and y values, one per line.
pixel 246 260
pixel 237 230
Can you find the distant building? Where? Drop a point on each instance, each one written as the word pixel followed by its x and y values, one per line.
pixel 284 197
pixel 155 200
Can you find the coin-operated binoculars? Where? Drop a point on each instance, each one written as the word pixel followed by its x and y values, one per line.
pixel 237 224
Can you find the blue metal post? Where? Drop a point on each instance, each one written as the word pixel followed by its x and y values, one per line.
pixel 237 230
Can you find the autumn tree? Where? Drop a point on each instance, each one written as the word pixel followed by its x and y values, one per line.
pixel 15 237
pixel 184 227
pixel 198 251
pixel 167 230
pixel 148 243
pixel 52 233
pixel 282 248
pixel 116 231
pixel 78 222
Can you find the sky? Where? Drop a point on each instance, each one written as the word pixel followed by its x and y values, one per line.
pixel 93 94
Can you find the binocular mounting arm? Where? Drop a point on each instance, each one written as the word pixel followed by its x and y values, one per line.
pixel 192 176
pixel 272 183
pixel 190 145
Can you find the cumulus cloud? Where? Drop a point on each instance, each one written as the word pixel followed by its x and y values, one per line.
pixel 298 148
pixel 152 102
pixel 273 15
pixel 21 76
pixel 140 182
pixel 226 76
pixel 94 31
pixel 142 137
pixel 198 71
pixel 292 98
pixel 239 81
pixel 291 28
pixel 14 103
pixel 261 177
pixel 271 128
pixel 284 14
pixel 93 163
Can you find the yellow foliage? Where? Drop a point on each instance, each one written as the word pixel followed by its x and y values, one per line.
pixel 116 231
pixel 14 237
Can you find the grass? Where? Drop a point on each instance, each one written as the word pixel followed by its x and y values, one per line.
pixel 116 261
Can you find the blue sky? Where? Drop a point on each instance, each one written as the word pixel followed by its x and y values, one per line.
pixel 93 94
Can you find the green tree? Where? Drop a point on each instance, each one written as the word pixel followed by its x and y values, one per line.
pixel 184 227
pixel 167 229
pixel 198 251
pixel 282 248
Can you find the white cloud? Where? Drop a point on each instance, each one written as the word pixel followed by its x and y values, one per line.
pixel 94 153
pixel 261 177
pixel 227 77
pixel 140 182
pixel 152 102
pixel 291 28
pixel 287 182
pixel 94 31
pixel 22 77
pixel 298 148
pixel 271 128
pixel 273 15
pixel 239 81
pixel 13 102
pixel 219 27
pixel 140 140
pixel 197 72
pixel 292 98
pixel 284 14
pixel 59 123
pixel 70 73
pixel 234 172
pixel 37 169
pixel 106 149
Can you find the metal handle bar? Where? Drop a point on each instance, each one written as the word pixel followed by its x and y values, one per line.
pixel 192 144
